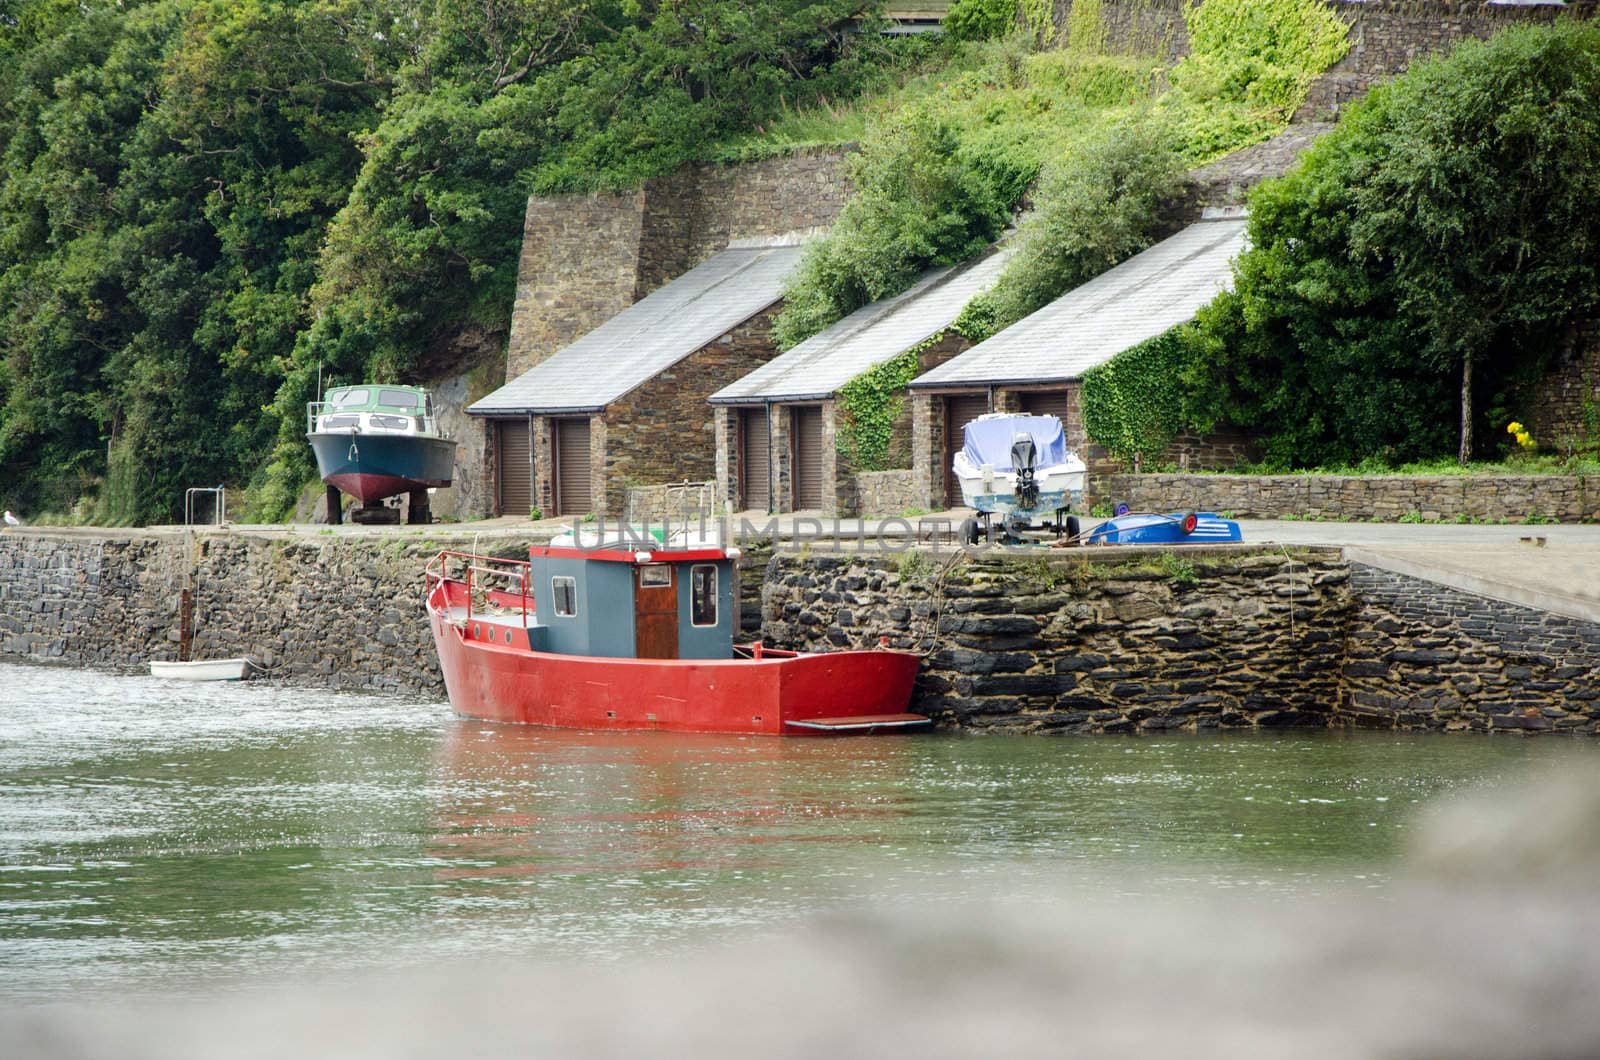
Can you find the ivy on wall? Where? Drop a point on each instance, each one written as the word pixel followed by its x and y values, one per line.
pixel 870 404
pixel 1133 403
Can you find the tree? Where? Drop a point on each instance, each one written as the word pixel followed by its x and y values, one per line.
pixel 1483 207
pixel 1446 225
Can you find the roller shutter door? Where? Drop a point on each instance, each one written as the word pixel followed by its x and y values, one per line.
pixel 573 495
pixel 755 466
pixel 1046 403
pixel 807 458
pixel 959 410
pixel 514 466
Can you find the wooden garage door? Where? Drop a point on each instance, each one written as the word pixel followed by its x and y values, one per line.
pixel 807 458
pixel 573 495
pixel 755 465
pixel 959 410
pixel 514 465
pixel 1046 403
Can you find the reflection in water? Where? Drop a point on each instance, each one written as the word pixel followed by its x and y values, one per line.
pixel 160 837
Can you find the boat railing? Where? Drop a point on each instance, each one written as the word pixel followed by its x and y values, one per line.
pixel 315 410
pixel 482 576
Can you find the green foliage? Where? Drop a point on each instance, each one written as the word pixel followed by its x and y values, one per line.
pixel 980 19
pixel 1446 225
pixel 1178 569
pixel 1133 403
pixel 920 199
pixel 1099 206
pixel 1250 65
pixel 869 405
pixel 205 202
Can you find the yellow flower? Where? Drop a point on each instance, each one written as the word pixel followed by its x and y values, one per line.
pixel 1513 427
pixel 1525 439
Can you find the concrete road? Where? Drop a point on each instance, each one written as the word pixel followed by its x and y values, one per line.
pixel 1556 568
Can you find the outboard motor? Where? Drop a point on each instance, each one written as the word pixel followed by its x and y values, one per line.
pixel 1023 458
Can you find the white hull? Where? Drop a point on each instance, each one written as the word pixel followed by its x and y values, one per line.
pixel 1060 486
pixel 202 670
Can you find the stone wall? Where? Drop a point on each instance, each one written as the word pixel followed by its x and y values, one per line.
pixel 664 430
pixel 1490 498
pixel 1420 656
pixel 1388 36
pixel 1080 641
pixel 587 257
pixel 1066 643
pixel 335 613
pixel 885 493
pixel 578 268
pixel 1566 403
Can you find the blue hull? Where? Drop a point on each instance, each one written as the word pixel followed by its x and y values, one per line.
pixel 370 467
pixel 1163 530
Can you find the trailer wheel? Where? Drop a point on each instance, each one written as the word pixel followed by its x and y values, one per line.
pixel 1190 521
pixel 970 532
pixel 1072 529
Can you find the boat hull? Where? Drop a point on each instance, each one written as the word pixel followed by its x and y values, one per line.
pixel 370 467
pixel 852 691
pixel 201 670
pixel 1142 529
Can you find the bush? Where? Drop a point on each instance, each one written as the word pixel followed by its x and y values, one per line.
pixel 1423 255
pixel 1098 207
pixel 919 200
pixel 980 19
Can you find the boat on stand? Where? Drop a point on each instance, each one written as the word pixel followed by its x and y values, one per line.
pixel 630 633
pixel 375 442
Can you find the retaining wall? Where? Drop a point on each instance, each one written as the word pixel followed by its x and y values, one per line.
pixel 1498 498
pixel 1081 644
pixel 1057 642
pixel 1421 656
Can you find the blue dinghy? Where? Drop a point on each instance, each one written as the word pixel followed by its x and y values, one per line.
pixel 1184 528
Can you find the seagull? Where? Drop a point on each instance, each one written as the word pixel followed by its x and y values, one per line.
pixel 12 520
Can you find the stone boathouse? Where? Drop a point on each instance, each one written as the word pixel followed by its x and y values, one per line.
pixel 777 428
pixel 625 405
pixel 1037 364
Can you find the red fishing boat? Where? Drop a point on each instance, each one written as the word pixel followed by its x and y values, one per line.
pixel 622 637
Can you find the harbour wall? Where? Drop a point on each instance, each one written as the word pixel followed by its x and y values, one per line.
pixel 1060 641
pixel 1383 498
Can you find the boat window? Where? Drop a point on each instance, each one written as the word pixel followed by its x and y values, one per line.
pixel 392 423
pixel 349 397
pixel 703 594
pixel 564 591
pixel 399 399
pixel 655 576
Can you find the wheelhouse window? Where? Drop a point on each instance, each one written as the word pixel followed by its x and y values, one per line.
pixel 655 576
pixel 351 397
pixel 564 594
pixel 397 399
pixel 703 594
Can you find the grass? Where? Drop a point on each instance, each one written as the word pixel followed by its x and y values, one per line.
pixel 1517 464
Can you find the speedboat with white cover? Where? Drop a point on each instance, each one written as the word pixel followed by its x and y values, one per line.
pixel 1018 469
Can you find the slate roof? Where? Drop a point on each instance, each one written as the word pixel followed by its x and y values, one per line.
pixel 1143 297
pixel 649 336
pixel 819 366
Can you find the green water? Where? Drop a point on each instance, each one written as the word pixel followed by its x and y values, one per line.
pixel 163 837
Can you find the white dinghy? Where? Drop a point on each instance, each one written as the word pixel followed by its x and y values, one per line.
pixel 201 669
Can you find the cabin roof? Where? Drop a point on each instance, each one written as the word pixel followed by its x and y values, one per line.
pixel 873 334
pixel 1143 297
pixel 649 336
